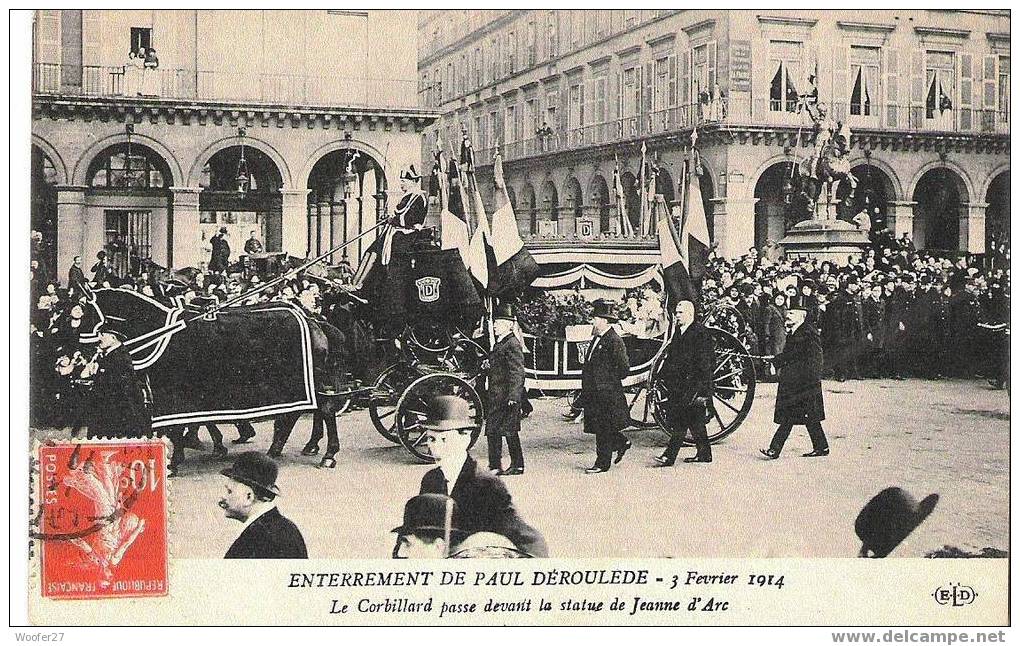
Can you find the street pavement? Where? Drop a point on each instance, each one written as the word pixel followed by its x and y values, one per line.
pixel 947 437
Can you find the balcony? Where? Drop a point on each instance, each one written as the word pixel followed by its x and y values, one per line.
pixel 563 231
pixel 242 87
pixel 761 112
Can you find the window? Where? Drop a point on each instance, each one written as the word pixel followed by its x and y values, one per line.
pixel 601 24
pixel 128 240
pixel 631 18
pixel 575 101
pixel 511 123
pixel 630 92
pixel 601 115
pixel 864 75
pixel 531 122
pixel 463 74
pixel 785 63
pixel 551 99
pixel 493 129
pixel 511 52
pixel 479 132
pixel 1003 87
pixel 940 85
pixel 550 29
pixel 476 67
pixel 118 169
pixel 141 38
pixel 661 92
pixel 531 45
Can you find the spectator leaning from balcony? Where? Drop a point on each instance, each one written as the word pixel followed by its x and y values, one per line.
pixel 150 76
pixel 133 70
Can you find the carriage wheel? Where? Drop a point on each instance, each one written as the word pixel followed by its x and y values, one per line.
pixel 382 407
pixel 733 386
pixel 466 357
pixel 412 410
pixel 642 400
pixel 429 337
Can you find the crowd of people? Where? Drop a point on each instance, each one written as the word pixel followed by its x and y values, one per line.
pixel 894 312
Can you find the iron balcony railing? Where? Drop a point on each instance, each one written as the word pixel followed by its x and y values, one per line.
pixel 286 89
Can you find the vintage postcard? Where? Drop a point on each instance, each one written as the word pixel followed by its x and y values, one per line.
pixel 701 316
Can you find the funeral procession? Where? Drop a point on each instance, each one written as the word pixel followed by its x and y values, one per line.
pixel 543 283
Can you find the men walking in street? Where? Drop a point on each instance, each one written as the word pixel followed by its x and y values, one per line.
pixel 483 502
pixel 250 498
pixel 799 397
pixel 504 394
pixel 602 398
pixel 686 370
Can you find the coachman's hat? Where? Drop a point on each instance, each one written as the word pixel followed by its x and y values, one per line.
pixel 256 470
pixel 504 311
pixel 605 310
pixel 449 413
pixel 888 518
pixel 429 514
pixel 410 173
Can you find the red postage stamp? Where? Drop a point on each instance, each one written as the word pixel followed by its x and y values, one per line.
pixel 102 520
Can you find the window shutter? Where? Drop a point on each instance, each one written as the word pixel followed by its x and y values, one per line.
pixel 48 37
pixel 685 79
pixel 890 82
pixel 917 88
pixel 840 76
pixel 649 88
pixel 712 78
pixel 989 92
pixel 671 89
pixel 966 63
pixel 617 91
pixel 761 70
pixel 92 37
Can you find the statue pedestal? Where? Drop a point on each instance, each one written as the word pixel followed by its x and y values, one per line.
pixel 833 240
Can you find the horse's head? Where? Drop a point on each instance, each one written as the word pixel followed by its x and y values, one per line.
pixel 124 310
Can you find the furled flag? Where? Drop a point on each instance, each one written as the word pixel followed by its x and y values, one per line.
pixel 479 251
pixel 514 267
pixel 644 226
pixel 453 222
pixel 684 254
pixel 626 228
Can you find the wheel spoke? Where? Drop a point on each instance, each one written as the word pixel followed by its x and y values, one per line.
pixel 722 425
pixel 726 404
pixel 383 416
pixel 420 440
pixel 732 388
pixel 727 375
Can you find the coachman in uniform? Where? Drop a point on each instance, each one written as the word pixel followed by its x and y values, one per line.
pixel 408 216
pixel 602 398
pixel 117 407
pixel 687 372
pixel 799 397
pixel 504 395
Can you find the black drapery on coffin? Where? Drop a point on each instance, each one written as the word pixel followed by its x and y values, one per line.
pixel 429 285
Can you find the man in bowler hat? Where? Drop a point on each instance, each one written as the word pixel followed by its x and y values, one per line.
pixel 602 398
pixel 504 394
pixel 799 396
pixel 428 530
pixel 686 370
pixel 483 502
pixel 250 498
pixel 220 257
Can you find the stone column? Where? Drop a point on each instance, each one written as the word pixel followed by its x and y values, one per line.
pixel 71 232
pixel 734 225
pixel 295 222
pixel 972 227
pixel 899 217
pixel 187 232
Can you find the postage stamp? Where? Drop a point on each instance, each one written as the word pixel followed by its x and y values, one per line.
pixel 102 520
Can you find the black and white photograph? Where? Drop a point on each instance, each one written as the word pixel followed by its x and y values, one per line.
pixel 580 286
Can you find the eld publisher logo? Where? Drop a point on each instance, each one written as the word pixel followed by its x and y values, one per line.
pixel 955 594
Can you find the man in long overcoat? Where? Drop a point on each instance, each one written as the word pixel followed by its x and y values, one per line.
pixel 504 394
pixel 220 258
pixel 250 498
pixel 799 397
pixel 116 407
pixel 602 397
pixel 686 370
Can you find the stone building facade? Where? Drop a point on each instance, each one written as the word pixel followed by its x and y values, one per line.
pixel 564 94
pixel 245 121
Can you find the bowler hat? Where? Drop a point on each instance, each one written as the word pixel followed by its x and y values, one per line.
pixel 449 413
pixel 504 311
pixel 223 229
pixel 428 513
pixel 888 518
pixel 604 310
pixel 256 470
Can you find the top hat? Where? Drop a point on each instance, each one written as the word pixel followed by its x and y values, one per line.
pixel 410 173
pixel 223 229
pixel 449 413
pixel 888 518
pixel 604 310
pixel 747 288
pixel 256 470
pixel 504 311
pixel 427 514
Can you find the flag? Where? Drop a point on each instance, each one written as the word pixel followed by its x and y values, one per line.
pixel 626 228
pixel 477 260
pixel 695 223
pixel 685 254
pixel 675 264
pixel 643 225
pixel 513 266
pixel 453 222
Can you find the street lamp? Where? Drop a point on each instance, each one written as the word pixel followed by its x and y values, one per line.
pixel 243 179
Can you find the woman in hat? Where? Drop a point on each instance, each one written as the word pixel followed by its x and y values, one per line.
pixel 602 397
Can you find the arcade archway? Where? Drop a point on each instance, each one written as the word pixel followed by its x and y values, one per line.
pixel 997 214
pixel 347 196
pixel 573 207
pixel 776 192
pixel 598 193
pixel 528 211
pixel 44 211
pixel 632 197
pixel 242 195
pixel 127 208
pixel 874 192
pixel 940 195
pixel 549 210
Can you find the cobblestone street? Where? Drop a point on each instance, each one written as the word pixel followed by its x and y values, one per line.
pixel 945 437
